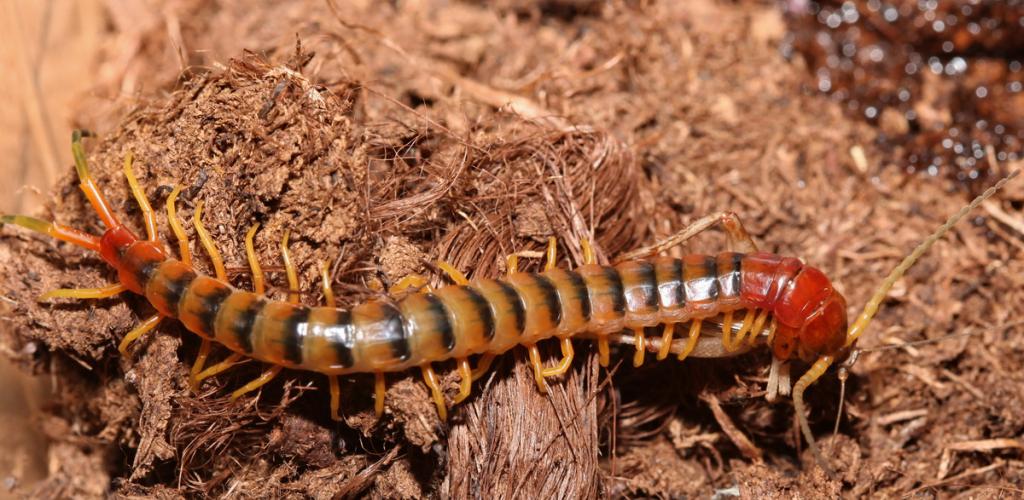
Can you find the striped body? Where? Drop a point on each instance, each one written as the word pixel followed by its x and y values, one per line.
pixel 486 316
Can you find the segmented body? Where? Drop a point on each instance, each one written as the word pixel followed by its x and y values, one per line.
pixel 485 316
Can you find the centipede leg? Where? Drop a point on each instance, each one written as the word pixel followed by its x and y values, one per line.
pixel 289 270
pixel 454 274
pixel 552 254
pixel 197 365
pixel 332 380
pixel 692 342
pixel 538 367
pixel 140 197
pixel 738 237
pixel 84 293
pixel 666 341
pixel 483 364
pixel 603 350
pixel 260 381
pixel 567 355
pixel 755 330
pixel 727 332
pixel 640 337
pixel 379 390
pixel 412 281
pixel 465 380
pixel 179 232
pixel 588 252
pixel 218 368
pixel 147 325
pixel 254 263
pixel 435 390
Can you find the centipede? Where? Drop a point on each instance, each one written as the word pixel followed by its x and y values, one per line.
pixel 695 306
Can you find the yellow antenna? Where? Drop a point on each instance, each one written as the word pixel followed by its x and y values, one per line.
pixel 858 327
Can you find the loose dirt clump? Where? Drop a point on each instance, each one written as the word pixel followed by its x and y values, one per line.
pixel 394 135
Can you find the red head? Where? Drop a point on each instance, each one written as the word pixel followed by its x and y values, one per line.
pixel 811 318
pixel 810 314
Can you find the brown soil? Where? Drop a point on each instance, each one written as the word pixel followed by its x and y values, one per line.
pixel 384 138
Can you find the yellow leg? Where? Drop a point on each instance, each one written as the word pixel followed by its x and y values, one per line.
pixel 565 363
pixel 511 264
pixel 538 368
pixel 727 333
pixel 147 325
pixel 412 281
pixel 692 342
pixel 179 232
pixel 602 350
pixel 289 270
pixel 228 362
pixel 379 389
pixel 260 381
pixel 758 325
pixel 325 282
pixel 588 252
pixel 666 341
pixel 83 293
pixel 254 263
pixel 207 241
pixel 140 197
pixel 435 389
pixel 745 328
pixel 197 366
pixel 335 397
pixel 454 274
pixel 465 380
pixel 641 347
pixel 483 364
pixel 552 254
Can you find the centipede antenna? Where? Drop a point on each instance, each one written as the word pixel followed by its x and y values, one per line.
pixel 63 233
pixel 96 199
pixel 858 327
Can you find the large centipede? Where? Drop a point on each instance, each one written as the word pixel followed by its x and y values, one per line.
pixel 717 305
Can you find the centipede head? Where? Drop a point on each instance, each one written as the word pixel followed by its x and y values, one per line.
pixel 832 351
pixel 811 318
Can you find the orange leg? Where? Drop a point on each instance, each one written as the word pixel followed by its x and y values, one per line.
pixel 435 389
pixel 692 342
pixel 84 293
pixel 727 333
pixel 666 341
pixel 552 254
pixel 538 367
pixel 465 380
pixel 454 274
pixel 379 390
pixel 260 381
pixel 566 362
pixel 641 347
pixel 603 350
pixel 412 281
pixel 335 397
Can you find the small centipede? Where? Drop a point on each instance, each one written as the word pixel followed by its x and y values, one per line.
pixel 756 297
